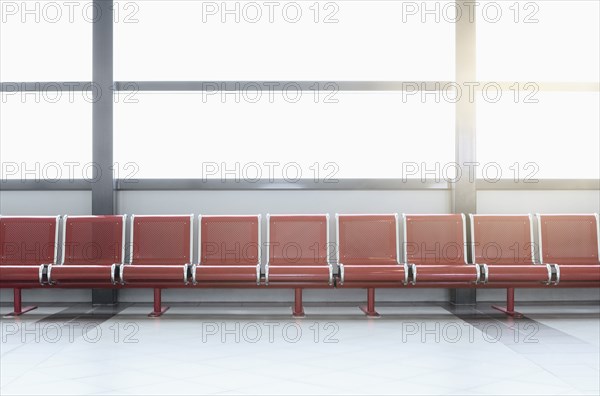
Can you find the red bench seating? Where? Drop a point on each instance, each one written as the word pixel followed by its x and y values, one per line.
pixel 160 254
pixel 368 250
pixel 571 243
pixel 229 250
pixel 368 254
pixel 92 248
pixel 298 254
pixel 434 248
pixel 298 249
pixel 160 250
pixel 504 246
pixel 27 246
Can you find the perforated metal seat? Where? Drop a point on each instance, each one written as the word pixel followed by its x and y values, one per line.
pixel 298 249
pixel 93 247
pixel 160 250
pixel 27 245
pixel 229 250
pixel 571 242
pixel 368 250
pixel 435 249
pixel 504 245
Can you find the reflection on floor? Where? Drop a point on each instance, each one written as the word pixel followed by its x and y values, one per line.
pixel 262 350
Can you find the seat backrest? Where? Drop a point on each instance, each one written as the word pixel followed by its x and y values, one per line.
pixel 568 239
pixel 227 240
pixel 367 239
pixel 435 239
pixel 502 239
pixel 93 240
pixel 28 240
pixel 161 240
pixel 298 239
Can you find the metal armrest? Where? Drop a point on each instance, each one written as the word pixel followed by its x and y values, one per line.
pixel 413 271
pixel 194 282
pixel 41 274
pixel 485 273
pixel 113 269
pixel 49 275
pixel 121 269
pixel 482 273
pixel 405 273
pixel 258 274
pixel 556 270
pixel 267 274
pixel 341 273
pixel 186 280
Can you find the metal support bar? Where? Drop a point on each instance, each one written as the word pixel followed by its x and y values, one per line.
pixel 103 194
pixel 229 86
pixel 158 308
pixel 45 86
pixel 303 184
pixel 298 311
pixel 17 304
pixel 464 193
pixel 369 309
pixel 510 304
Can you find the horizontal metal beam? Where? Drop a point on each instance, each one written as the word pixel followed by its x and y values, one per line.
pixel 47 86
pixel 230 86
pixel 303 184
pixel 216 184
pixel 45 185
pixel 541 86
pixel 541 184
pixel 212 86
pixel 279 184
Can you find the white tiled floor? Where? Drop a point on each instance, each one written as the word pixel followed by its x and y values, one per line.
pixel 256 350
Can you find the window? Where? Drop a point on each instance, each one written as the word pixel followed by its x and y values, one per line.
pixel 538 41
pixel 46 40
pixel 316 40
pixel 555 138
pixel 46 138
pixel 325 137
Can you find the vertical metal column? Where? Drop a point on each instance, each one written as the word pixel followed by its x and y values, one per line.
pixel 369 309
pixel 298 310
pixel 18 304
pixel 103 195
pixel 510 304
pixel 158 309
pixel 464 193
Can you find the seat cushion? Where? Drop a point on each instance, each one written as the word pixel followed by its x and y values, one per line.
pixel 579 273
pixel 298 273
pixel 80 273
pixel 226 273
pixel 19 273
pixel 154 273
pixel 447 273
pixel 518 273
pixel 374 273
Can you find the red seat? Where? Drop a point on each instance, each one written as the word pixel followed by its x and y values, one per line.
pixel 368 250
pixel 229 249
pixel 435 250
pixel 92 248
pixel 160 250
pixel 27 245
pixel 503 245
pixel 298 249
pixel 570 242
